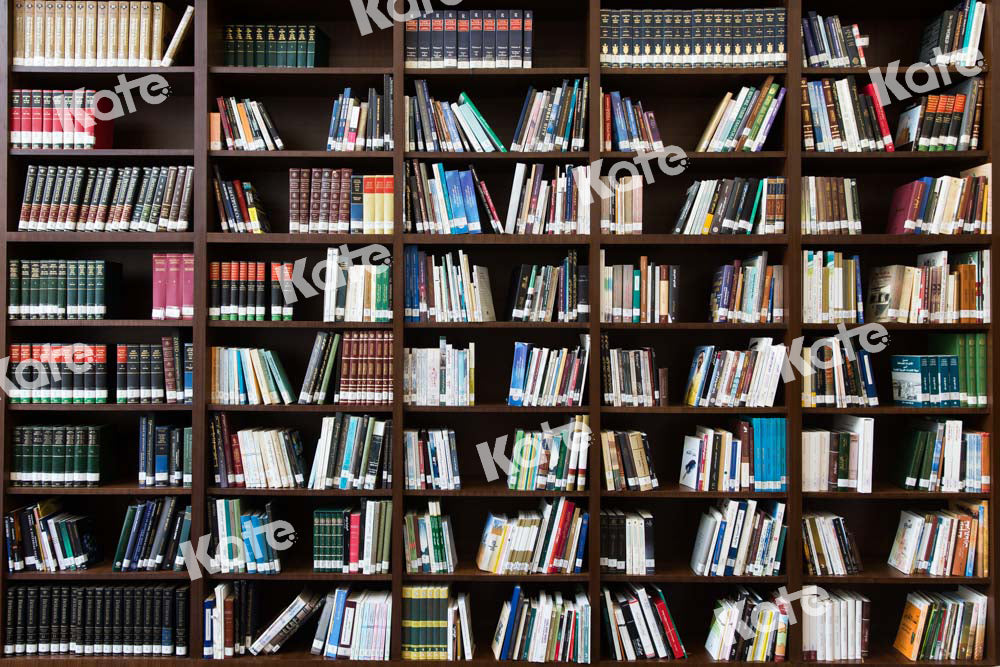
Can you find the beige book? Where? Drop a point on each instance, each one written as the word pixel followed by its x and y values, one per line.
pixel 90 34
pixel 716 117
pixel 22 34
pixel 38 44
pixel 175 42
pixel 133 34
pixel 68 32
pixel 145 32
pixel 112 35
pixel 161 19
pixel 102 34
pixel 123 33
pixel 79 33
pixel 59 39
pixel 50 32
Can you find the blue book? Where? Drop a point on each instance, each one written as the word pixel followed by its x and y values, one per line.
pixel 515 601
pixel 521 352
pixel 582 544
pixel 620 140
pixel 955 385
pixel 717 553
pixel 333 637
pixel 469 198
pixel 573 101
pixel 352 428
pixel 334 115
pixel 209 609
pixel 249 544
pixel 457 207
pixel 734 543
pixel 924 199
pixel 345 107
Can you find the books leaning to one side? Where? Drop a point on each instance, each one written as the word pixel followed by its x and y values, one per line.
pixel 353 541
pixel 442 375
pixel 429 541
pixel 60 198
pixel 942 289
pixel 446 288
pixel 440 126
pixel 631 377
pixel 285 624
pixel 43 538
pixel 319 370
pixel 955 378
pixel 743 121
pixel 843 616
pixel 749 458
pixel 644 292
pixel 325 200
pixel 529 627
pixel 944 205
pixel 836 377
pixel 152 534
pixel 735 378
pixel 831 288
pixel 435 625
pixel 944 122
pixel 431 459
pixel 354 625
pixel 357 125
pixel 447 201
pixel 353 452
pixel 952 542
pixel 241 540
pixel 942 625
pixel 740 538
pixel 830 205
pixel 248 376
pixel 628 461
pixel 953 37
pixel 549 540
pixel 938 456
pixel 839 459
pixel 40 626
pixel 551 293
pixel 539 205
pixel 61 289
pixel 74 459
pixel 626 126
pixel 638 624
pixel 826 42
pixel 255 458
pixel 542 376
pixel 830 548
pixel 164 454
pixel 749 291
pixel 627 541
pixel 239 205
pixel 246 126
pixel 552 459
pixel 355 292
pixel 768 641
pixel 553 120
pixel 837 117
pixel 733 206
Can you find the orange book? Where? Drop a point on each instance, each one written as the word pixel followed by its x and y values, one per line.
pixel 214 131
pixel 986 463
pixel 911 626
pixel 241 111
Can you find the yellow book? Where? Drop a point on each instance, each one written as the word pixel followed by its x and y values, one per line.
pixel 102 34
pixel 90 34
pixel 911 626
pixel 388 204
pixel 145 32
pixel 214 131
pixel 133 34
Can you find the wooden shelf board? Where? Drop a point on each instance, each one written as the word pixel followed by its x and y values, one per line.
pixel 112 323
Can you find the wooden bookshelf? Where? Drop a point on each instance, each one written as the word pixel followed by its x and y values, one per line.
pixel 566 46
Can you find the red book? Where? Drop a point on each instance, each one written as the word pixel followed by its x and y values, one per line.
pixel 227 452
pixel 606 110
pixel 47 119
pixel 99 131
pixel 560 535
pixel 883 124
pixel 259 308
pixel 237 456
pixel 66 114
pixel 668 627
pixel 36 119
pixel 79 119
pixel 159 286
pixel 15 359
pixel 172 303
pixel 902 210
pixel 355 549
pixel 15 118
pixel 187 289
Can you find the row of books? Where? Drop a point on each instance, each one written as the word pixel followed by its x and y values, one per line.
pixel 742 122
pixel 554 119
pixel 621 205
pixel 626 127
pixel 943 625
pixel 98 34
pixel 240 541
pixel 237 291
pixel 58 373
pixel 59 198
pixel 839 458
pixel 546 627
pixel 57 456
pixel 960 381
pixel 830 547
pixel 739 538
pixel 646 292
pixel 240 207
pixel 549 540
pixel 839 627
pixel 221 639
pixel 173 286
pixel 274 45
pixel 944 205
pixel 353 292
pixel 43 538
pixel 837 377
pixel 442 375
pixel 729 637
pixel 542 376
pixel 551 293
pixel 354 625
pixel 435 625
pixel 952 542
pixel 445 202
pixel 944 122
pixel 826 42
pixel 953 37
pixel 551 459
pixel 735 378
pixel 638 624
pixel 942 457
pixel 837 117
pixel 752 457
pixel 627 542
pixel 164 454
pixel 439 126
pixel 446 288
pixel 732 206
pixel 248 376
pixel 431 459
pixel 537 205
pixel 749 290
pixel 631 377
pixel 831 288
pixel 628 461
pixel 255 458
pixel 352 541
pixel 58 119
pixel 325 200
pixel 752 37
pixel 830 205
pixel 242 124
pixel 357 125
pixel 47 619
pixel 943 289
pixel 60 289
pixel 429 541
pixel 152 534
pixel 151 373
pixel 475 39
pixel 353 452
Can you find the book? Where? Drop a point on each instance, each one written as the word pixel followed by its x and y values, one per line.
pixel 627 542
pixel 550 293
pixel 246 126
pixel 462 37
pixel 622 206
pixel 831 288
pixel 924 380
pixel 830 547
pixel 840 458
pixel 240 541
pixel 539 205
pixel 735 378
pixel 65 198
pixel 835 376
pixel 431 459
pixel 549 540
pixel 830 205
pixel 362 124
pixel 829 42
pixel 446 288
pixel 529 627
pixel 551 459
pixel 248 376
pixel 844 118
pixel 240 208
pixel 240 290
pixel 641 292
pixel 742 121
pixel 143 371
pixel 450 127
pixel 631 377
pixel 151 536
pixel 627 461
pixel 844 615
pixel 429 616
pixel 354 292
pixel 352 540
pixel 61 289
pixel 429 541
pixel 943 543
pixel 740 537
pixel 57 456
pixel 953 37
pixel 58 373
pixel 638 624
pixel 733 206
pixel 165 453
pixel 542 376
pixel 945 121
pixel 325 200
pixel 626 126
pixel 287 622
pixel 750 457
pixel 352 452
pixel 231 619
pixel 255 458
pixel 354 625
pixel 748 290
pixel 553 120
pixel 43 538
pixel 941 456
pixel 445 201
pixel 942 625
pixel 442 375
pixel 274 45
pixel 173 286
pixel 943 205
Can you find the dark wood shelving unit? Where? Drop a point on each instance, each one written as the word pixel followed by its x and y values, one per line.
pixel 567 43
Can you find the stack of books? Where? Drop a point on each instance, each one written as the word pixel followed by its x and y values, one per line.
pixel 729 639
pixel 838 117
pixel 248 376
pixel 942 625
pixel 826 42
pixel 551 460
pixel 255 458
pixel 240 207
pixel 353 452
pixel 749 291
pixel 551 293
pixel 58 373
pixel 559 205
pixel 173 286
pixel 553 120
pixel 151 373
pixel 944 122
pixel 550 540
pixel 357 125
pixel 436 626
pixel 356 292
pixel 354 625
pixel 621 205
pixel 58 120
pixel 446 288
pixel 954 379
pixel 436 126
pixel 941 289
pixel 631 377
pixel 953 37
pixel 628 461
pixel 836 377
pixel 733 206
pixel 446 201
pixel 644 292
pixel 475 39
pixel 831 288
pixel 164 454
pixel 239 291
pixel 271 45
pixel 43 538
pixel 60 289
pixel 542 376
pixel 626 126
pixel 73 455
pixel 442 375
pixel 941 457
pixel 830 205
pixel 240 540
pixel 285 624
pixel 944 543
pixel 152 534
pixel 834 613
pixel 338 201
pixel 245 125
pixel 839 459
pixel 944 205
pixel 735 378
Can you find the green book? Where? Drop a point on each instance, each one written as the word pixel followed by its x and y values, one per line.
pixel 271 51
pixel 259 47
pixel 14 289
pixel 123 537
pixel 51 289
pixel 301 45
pixel 58 472
pixel 283 385
pixel 331 358
pixel 908 472
pixel 981 372
pixel 61 288
pixel 464 99
pixel 100 286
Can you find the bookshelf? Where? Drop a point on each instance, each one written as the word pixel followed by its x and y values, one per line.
pixel 567 45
